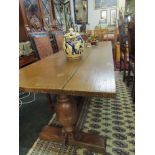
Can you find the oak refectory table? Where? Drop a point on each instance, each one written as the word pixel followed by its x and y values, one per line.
pixel 92 75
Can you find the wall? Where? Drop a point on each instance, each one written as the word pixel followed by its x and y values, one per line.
pixel 94 15
pixel 121 5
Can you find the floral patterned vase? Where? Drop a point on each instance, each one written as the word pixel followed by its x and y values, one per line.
pixel 73 44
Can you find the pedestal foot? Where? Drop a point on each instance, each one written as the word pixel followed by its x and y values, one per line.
pixel 52 134
pixel 66 111
pixel 90 141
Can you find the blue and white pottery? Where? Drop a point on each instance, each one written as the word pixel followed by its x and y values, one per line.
pixel 73 44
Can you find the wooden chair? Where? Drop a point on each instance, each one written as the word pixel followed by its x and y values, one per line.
pixel 128 55
pixel 104 33
pixel 57 39
pixel 123 50
pixel 114 44
pixel 60 41
pixel 131 65
pixel 101 34
pixel 41 42
pixel 98 34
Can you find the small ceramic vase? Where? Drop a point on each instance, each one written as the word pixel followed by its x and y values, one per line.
pixel 73 44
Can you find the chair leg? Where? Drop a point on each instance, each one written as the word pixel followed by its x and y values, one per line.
pixel 120 67
pixel 133 91
pixel 124 75
pixel 128 78
pixel 124 72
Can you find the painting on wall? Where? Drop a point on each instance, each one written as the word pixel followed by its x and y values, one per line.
pixel 104 16
pixel 81 11
pixel 67 13
pixel 113 17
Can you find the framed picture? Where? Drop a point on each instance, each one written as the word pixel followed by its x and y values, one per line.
pixel 98 4
pixel 104 16
pixel 113 17
pixel 67 13
pixel 81 11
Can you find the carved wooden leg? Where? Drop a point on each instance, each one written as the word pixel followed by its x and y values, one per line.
pixel 120 67
pixel 66 111
pixel 124 70
pixel 66 114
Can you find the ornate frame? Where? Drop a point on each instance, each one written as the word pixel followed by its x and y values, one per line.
pixel 75 15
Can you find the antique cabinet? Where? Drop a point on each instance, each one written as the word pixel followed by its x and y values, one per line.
pixel 41 15
pixel 37 14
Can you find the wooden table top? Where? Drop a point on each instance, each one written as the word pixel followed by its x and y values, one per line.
pixel 93 75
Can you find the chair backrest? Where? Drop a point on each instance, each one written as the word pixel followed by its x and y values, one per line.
pixel 42 44
pixel 60 40
pixel 98 34
pixel 104 34
pixel 101 34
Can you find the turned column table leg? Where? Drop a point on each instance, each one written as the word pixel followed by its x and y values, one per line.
pixel 66 112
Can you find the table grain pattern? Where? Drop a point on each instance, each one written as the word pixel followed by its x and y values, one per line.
pixel 93 75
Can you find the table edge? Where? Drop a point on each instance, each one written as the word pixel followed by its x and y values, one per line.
pixel 73 93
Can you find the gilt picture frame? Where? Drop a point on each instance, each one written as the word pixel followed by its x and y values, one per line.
pixel 81 11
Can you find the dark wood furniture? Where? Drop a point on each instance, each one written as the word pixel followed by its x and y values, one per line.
pixel 37 16
pixel 123 50
pixel 41 43
pixel 131 65
pixel 38 9
pixel 93 75
pixel 101 34
pixel 43 48
pixel 27 60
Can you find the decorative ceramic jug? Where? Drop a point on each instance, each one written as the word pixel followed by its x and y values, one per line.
pixel 73 44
